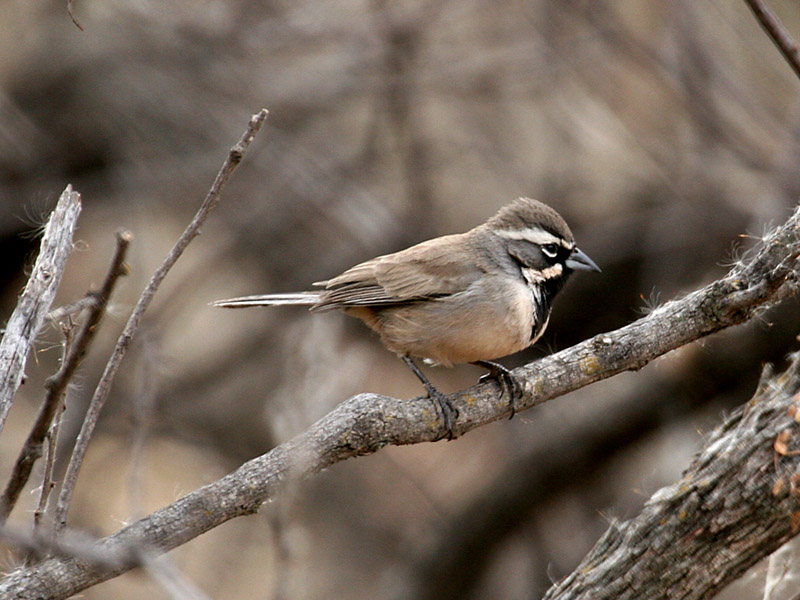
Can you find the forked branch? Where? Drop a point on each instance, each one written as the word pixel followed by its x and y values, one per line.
pixel 367 422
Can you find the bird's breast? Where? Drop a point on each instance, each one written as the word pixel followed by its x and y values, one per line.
pixel 494 317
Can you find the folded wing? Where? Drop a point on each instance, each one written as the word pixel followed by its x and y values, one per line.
pixel 421 272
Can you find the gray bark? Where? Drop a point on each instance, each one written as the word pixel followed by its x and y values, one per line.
pixel 35 301
pixel 737 503
pixel 367 422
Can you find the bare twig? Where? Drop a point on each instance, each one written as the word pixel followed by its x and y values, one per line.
pixel 365 423
pixel 52 439
pixel 104 386
pixel 72 15
pixel 74 545
pixel 28 316
pixel 72 309
pixel 57 384
pixel 143 408
pixel 47 477
pixel 777 33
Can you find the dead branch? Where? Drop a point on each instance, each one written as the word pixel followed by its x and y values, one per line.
pixel 72 309
pixel 72 16
pixel 103 388
pixel 777 33
pixel 736 504
pixel 57 384
pixel 367 422
pixel 27 318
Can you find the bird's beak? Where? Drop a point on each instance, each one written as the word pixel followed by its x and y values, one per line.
pixel 578 261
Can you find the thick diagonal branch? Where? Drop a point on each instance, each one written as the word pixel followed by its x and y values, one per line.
pixel 366 423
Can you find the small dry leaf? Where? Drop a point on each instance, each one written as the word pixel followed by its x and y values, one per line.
pixel 794 520
pixel 781 445
pixel 792 410
pixel 777 488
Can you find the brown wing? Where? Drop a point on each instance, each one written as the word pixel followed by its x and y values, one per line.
pixel 428 270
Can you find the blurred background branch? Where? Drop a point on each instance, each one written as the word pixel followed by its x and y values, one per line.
pixel 660 131
pixel 777 32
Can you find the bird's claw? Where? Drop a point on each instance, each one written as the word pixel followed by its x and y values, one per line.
pixel 448 411
pixel 446 408
pixel 509 385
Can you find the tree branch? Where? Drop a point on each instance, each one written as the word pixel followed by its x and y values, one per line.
pixel 72 309
pixel 57 384
pixel 72 15
pixel 737 503
pixel 777 33
pixel 106 380
pixel 367 422
pixel 567 457
pixel 35 301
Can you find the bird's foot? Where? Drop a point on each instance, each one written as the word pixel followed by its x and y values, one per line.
pixel 509 384
pixel 448 411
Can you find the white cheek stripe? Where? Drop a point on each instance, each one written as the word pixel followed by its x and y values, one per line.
pixel 533 276
pixel 534 235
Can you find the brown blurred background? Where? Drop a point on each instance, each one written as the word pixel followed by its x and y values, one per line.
pixel 661 131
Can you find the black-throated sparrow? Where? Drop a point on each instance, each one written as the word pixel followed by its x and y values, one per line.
pixel 464 298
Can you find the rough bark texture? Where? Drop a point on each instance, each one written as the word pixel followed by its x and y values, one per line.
pixel 366 423
pixel 27 318
pixel 737 503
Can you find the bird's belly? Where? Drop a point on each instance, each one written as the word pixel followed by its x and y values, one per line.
pixel 466 327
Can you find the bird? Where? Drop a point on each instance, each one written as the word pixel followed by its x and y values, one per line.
pixel 470 297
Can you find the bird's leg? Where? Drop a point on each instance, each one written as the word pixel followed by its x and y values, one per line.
pixel 449 412
pixel 508 383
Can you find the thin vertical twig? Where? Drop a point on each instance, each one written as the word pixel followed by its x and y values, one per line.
pixel 34 303
pixel 56 384
pixel 72 15
pixel 52 439
pixel 50 461
pixel 777 33
pixel 123 342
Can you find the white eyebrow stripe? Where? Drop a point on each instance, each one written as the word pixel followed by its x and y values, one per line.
pixel 534 235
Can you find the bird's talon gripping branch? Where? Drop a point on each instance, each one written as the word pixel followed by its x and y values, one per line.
pixel 448 411
pixel 446 408
pixel 509 385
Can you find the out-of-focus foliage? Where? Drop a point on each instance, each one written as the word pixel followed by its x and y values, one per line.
pixel 661 131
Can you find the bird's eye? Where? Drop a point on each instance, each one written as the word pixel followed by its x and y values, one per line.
pixel 550 250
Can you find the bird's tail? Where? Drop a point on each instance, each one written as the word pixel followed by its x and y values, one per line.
pixel 298 298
